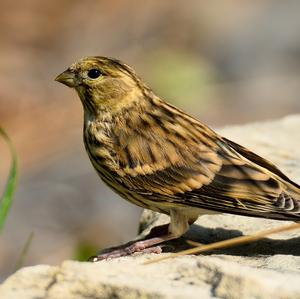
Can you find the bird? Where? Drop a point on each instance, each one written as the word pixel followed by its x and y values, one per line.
pixel 159 157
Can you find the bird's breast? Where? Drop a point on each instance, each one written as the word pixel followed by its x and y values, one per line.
pixel 99 146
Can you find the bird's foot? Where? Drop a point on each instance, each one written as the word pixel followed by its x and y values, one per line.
pixel 157 235
pixel 139 246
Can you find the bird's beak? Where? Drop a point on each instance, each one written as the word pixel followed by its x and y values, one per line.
pixel 67 77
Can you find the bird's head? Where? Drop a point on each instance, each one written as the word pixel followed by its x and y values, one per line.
pixel 102 83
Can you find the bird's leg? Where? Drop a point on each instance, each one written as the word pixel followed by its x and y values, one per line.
pixel 178 226
pixel 157 235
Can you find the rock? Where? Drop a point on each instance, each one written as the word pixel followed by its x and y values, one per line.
pixel 269 268
pixel 185 277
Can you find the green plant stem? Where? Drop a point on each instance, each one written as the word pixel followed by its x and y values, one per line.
pixel 7 197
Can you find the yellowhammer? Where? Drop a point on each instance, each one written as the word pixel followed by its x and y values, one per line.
pixel 160 158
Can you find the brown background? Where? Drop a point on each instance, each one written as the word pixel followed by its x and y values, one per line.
pixel 226 62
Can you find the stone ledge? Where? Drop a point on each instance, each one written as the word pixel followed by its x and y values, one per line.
pixel 184 277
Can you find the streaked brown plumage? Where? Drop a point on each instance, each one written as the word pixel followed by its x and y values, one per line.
pixel 160 158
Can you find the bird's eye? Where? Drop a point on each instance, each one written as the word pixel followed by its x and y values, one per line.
pixel 94 73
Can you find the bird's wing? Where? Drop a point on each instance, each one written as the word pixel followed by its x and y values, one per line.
pixel 185 162
pixel 165 157
pixel 247 184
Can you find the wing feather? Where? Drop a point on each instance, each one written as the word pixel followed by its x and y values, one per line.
pixel 181 160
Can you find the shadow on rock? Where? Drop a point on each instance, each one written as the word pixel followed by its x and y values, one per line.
pixel 206 235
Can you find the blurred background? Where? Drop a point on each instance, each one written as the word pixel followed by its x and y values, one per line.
pixel 226 62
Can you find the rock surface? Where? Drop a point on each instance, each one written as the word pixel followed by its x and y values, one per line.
pixel 269 268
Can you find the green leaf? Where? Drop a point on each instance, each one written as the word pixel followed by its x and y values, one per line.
pixel 7 197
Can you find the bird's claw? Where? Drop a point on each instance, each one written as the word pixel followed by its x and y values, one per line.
pixel 134 248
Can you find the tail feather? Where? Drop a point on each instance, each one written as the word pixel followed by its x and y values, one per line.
pixel 288 203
